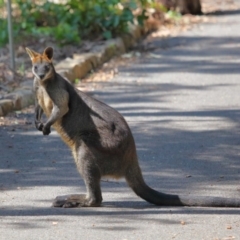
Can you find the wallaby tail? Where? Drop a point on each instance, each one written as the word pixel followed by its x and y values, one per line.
pixel 136 182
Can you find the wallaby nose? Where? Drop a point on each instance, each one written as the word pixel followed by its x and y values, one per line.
pixel 41 76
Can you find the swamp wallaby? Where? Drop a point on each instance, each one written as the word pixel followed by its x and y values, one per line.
pixel 99 138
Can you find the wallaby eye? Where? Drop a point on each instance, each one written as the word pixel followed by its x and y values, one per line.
pixel 35 68
pixel 46 68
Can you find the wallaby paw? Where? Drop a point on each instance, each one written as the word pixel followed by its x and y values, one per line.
pixel 46 130
pixel 38 125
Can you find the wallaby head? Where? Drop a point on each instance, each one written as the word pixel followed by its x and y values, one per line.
pixel 42 66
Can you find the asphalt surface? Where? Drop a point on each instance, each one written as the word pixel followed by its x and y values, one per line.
pixel 182 103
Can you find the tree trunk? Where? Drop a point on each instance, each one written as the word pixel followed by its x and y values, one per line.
pixel 188 6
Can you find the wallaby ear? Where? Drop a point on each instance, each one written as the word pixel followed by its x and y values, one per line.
pixel 48 52
pixel 31 53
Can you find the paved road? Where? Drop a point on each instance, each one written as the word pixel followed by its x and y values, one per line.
pixel 183 106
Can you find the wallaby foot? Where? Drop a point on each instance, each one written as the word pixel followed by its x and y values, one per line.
pixel 75 200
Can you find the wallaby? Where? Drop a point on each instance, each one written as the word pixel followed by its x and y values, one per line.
pixel 99 138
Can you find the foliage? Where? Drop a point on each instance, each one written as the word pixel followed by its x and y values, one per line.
pixel 73 20
pixel 1 3
pixel 4 31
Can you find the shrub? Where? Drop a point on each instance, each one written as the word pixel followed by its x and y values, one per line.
pixel 73 20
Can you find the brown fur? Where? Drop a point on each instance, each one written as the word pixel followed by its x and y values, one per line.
pixel 99 137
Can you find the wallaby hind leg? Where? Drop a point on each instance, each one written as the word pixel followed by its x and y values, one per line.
pixel 93 198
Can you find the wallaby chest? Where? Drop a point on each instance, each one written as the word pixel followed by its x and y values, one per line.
pixel 44 100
